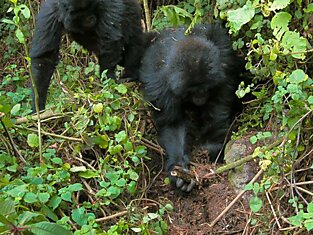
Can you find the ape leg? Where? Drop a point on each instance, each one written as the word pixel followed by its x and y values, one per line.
pixel 214 133
pixel 110 56
pixel 132 58
pixel 42 70
pixel 173 139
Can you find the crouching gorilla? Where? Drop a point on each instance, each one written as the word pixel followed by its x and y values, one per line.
pixel 192 80
pixel 110 29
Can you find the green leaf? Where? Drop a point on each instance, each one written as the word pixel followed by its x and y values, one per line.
pixel 310 207
pixel 33 140
pixel 7 21
pixel 255 204
pixel 132 174
pixel 98 108
pixel 309 8
pixel 256 188
pixel 16 108
pixel 18 191
pixel 279 4
pixel 27 216
pixel 114 191
pixel 280 23
pixel 55 202
pixel 88 174
pixel 78 168
pixel 25 11
pixel 7 207
pixel 47 228
pixel 240 16
pixel 79 216
pixel 131 187
pixel 116 105
pixel 295 44
pixel 136 230
pixel 297 76
pixel 121 136
pixel 308 224
pixel 249 187
pixel 19 35
pixel 4 221
pixel 43 197
pixel 253 139
pixel 75 187
pixel 295 220
pixel 66 196
pixel 121 182
pixel 49 213
pixel 30 197
pixel 310 99
pixel 121 88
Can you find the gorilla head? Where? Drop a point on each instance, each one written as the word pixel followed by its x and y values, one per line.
pixel 78 16
pixel 110 29
pixel 193 68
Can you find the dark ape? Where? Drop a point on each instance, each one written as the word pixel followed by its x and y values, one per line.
pixel 110 29
pixel 192 79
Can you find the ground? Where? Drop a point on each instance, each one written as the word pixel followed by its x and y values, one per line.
pixel 194 211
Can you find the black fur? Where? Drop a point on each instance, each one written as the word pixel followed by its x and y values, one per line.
pixel 192 80
pixel 110 29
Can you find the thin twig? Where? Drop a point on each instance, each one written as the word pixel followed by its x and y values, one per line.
pixel 272 208
pixel 301 183
pixel 122 213
pixel 304 190
pixel 52 134
pixel 15 150
pixel 235 200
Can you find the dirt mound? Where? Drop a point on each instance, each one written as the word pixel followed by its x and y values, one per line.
pixel 193 212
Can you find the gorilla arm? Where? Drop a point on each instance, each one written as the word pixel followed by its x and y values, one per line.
pixel 173 139
pixel 44 51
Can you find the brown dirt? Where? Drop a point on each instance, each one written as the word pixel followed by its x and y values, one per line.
pixel 194 211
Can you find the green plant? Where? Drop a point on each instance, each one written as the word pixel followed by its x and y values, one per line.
pixel 303 218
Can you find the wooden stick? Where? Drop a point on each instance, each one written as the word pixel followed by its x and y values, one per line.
pixel 111 216
pixel 235 200
pixel 272 208
pixel 248 158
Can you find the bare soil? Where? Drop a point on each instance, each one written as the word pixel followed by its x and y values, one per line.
pixel 194 211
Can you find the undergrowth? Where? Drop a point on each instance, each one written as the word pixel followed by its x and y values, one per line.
pixel 88 180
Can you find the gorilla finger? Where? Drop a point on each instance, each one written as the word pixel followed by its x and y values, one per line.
pixel 179 182
pixel 190 186
pixel 184 188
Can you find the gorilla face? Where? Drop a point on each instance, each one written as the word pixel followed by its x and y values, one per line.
pixel 200 97
pixel 79 15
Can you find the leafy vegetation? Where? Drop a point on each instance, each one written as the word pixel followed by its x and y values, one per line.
pixel 88 179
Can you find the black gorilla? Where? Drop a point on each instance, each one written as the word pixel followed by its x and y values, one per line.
pixel 110 29
pixel 192 80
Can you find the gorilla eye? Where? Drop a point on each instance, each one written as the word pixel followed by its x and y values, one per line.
pixel 89 21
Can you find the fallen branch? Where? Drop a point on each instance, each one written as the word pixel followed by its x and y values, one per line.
pixel 52 134
pixel 111 216
pixel 235 200
pixel 43 115
pixel 246 159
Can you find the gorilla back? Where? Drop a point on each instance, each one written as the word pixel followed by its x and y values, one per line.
pixel 110 29
pixel 192 80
